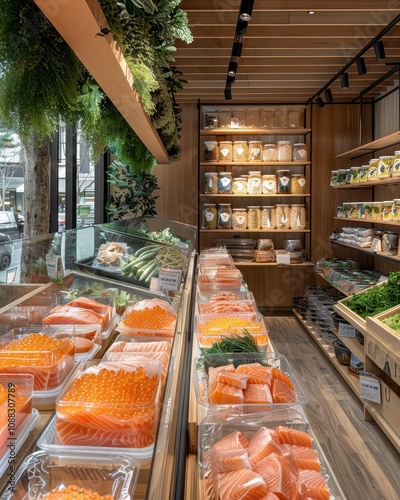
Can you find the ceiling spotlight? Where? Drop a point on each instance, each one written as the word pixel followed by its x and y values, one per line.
pixel 241 27
pixel 232 68
pixel 246 9
pixel 361 68
pixel 344 80
pixel 228 93
pixel 319 102
pixel 328 95
pixel 379 50
pixel 311 12
pixel 237 49
pixel 230 80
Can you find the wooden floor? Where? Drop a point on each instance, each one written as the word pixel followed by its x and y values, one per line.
pixel 364 461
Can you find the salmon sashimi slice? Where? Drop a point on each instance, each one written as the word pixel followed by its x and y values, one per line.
pixel 271 496
pixel 227 394
pixel 287 459
pixel 227 306
pixel 312 485
pixel 243 483
pixel 228 460
pixel 277 477
pixel 277 373
pixel 263 443
pixel 282 393
pixel 233 378
pixel 222 296
pixel 94 305
pixel 257 394
pixel 213 375
pixel 62 315
pixel 295 437
pixel 257 373
pixel 306 458
pixel 234 441
pixel 160 356
pixel 122 346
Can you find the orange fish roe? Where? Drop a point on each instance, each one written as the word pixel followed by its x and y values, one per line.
pixel 154 318
pixel 229 324
pixel 74 493
pixel 37 349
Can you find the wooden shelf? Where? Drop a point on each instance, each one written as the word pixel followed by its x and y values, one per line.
pixel 255 131
pixel 370 147
pixel 254 163
pixel 262 264
pixel 368 221
pixel 78 23
pixel 329 283
pixel 361 185
pixel 351 380
pixel 278 195
pixel 254 231
pixel 393 258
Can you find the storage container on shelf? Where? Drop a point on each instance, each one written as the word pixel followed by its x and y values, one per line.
pixel 210 151
pixel 297 216
pixel 269 184
pixel 211 182
pixel 225 151
pixel 222 280
pixel 224 182
pixel 396 209
pixel 300 152
pixel 255 150
pixel 224 216
pixel 239 185
pixel 283 181
pixel 282 216
pixel 296 117
pixel 354 175
pixel 377 207
pixel 253 217
pixel 267 118
pixel 268 217
pixel 385 166
pixel 210 118
pixel 238 119
pixel 227 306
pixel 270 152
pixel 252 118
pixel 209 216
pixel 298 184
pixel 265 244
pixel 281 117
pixel 387 212
pixel 373 169
pixel 264 256
pixel 285 151
pixel 363 173
pixel 341 177
pixel 224 118
pixel 334 178
pixel 396 164
pixel 240 151
pixel 254 182
pixel 239 218
pixel 390 243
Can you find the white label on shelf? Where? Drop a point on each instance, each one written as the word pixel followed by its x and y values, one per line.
pixel 170 279
pixel 370 388
pixel 283 258
pixel 54 266
pixel 347 330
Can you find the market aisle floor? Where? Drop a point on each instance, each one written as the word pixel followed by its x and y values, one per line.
pixel 366 464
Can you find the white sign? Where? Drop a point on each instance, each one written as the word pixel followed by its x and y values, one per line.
pixel 54 266
pixel 370 388
pixel 347 330
pixel 170 279
pixel 283 258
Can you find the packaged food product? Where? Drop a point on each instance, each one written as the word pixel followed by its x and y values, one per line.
pixel 254 183
pixel 210 182
pixel 224 216
pixel 281 117
pixel 341 177
pixel 339 211
pixel 390 243
pixel 334 178
pixel 210 151
pixel 363 173
pixel 283 178
pixel 209 218
pixel 367 210
pixel 240 151
pixel 396 209
pixel 239 218
pixel 373 169
pixel 268 217
pixel 252 118
pixel 267 118
pixel 354 175
pixel 300 152
pixel 387 212
pixel 224 182
pixel 376 207
pixel 385 166
pixel 264 256
pixel 270 152
pixel 298 184
pixel 353 210
pixel 282 216
pixel 284 151
pixel 265 244
pixel 224 119
pixel 297 216
pixel 225 151
pixel 239 185
pixel 269 184
pixel 253 217
pixel 255 150
pixel 396 164
pixel 293 245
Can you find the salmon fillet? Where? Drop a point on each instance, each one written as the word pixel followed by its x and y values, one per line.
pixel 282 393
pixel 243 483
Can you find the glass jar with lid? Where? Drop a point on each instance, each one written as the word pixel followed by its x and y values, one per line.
pixel 224 118
pixel 225 151
pixel 253 217
pixel 268 218
pixel 283 181
pixel 239 185
pixel 385 166
pixel 238 119
pixel 267 118
pixel 254 184
pixel 211 182
pixel 269 184
pixel 296 117
pixel 252 118
pixel 240 151
pixel 224 182
pixel 300 151
pixel 396 164
pixel 298 184
pixel 284 151
pixel 224 216
pixel 209 216
pixel 270 152
pixel 281 117
pixel 387 212
pixel 297 216
pixel 210 118
pixel 239 218
pixel 255 151
pixel 293 245
pixel 282 216
pixel 210 151
pixel 265 244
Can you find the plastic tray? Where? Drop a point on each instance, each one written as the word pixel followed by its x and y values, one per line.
pixel 215 427
pixel 202 363
pixel 227 306
pixel 110 474
pixel 243 293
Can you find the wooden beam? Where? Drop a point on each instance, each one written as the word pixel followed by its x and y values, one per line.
pixel 79 23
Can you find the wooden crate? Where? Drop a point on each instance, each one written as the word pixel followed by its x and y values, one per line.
pixel 389 339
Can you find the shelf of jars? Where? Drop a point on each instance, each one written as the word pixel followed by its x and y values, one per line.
pixel 370 147
pixel 366 184
pixel 255 163
pixel 207 231
pixel 394 258
pixel 236 196
pixel 255 131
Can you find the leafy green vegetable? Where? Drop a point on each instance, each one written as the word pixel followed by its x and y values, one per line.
pixel 393 322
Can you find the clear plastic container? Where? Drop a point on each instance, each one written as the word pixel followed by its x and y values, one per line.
pixel 373 169
pixel 264 256
pixel 363 173
pixel 396 164
pixel 253 217
pixel 297 216
pixel 270 152
pixel 210 151
pixel 240 151
pixel 255 150
pixel 238 119
pixel 225 151
pixel 222 280
pixel 210 118
pixel 227 306
pixel 334 178
pixel 396 209
pixel 209 216
pixel 269 184
pixel 239 218
pixel 254 182
pixel 268 218
pixel 265 244
pixel 224 118
pixel 296 117
pixel 283 181
pixel 224 182
pixel 252 118
pixel 267 118
pixel 210 182
pixel 284 151
pixel 385 166
pixel 387 212
pixel 224 216
pixel 112 474
pixel 239 185
pixel 376 210
pixel 281 118
pixel 300 152
pixel 298 184
pixel 282 216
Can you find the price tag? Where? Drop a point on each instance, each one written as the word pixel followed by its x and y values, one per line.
pixel 370 388
pixel 346 330
pixel 283 258
pixel 54 266
pixel 170 279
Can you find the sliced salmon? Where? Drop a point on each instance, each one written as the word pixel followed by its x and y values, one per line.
pixel 257 394
pixel 227 394
pixel 282 393
pixel 306 458
pixel 295 437
pixel 257 373
pixel 312 485
pixel 213 375
pixel 66 315
pixel 228 460
pixel 234 441
pixel 233 378
pixel 277 477
pixel 141 346
pixel 263 443
pixel 243 483
pixel 277 373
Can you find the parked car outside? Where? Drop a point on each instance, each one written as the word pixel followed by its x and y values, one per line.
pixel 8 224
pixel 6 248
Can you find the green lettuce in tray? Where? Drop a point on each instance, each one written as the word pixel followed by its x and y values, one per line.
pixel 376 299
pixel 393 322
